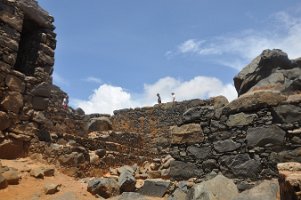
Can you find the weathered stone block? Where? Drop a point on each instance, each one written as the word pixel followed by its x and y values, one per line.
pixel 226 145
pixel 4 121
pixel 13 102
pixel 287 113
pixel 105 187
pixel 240 119
pixel 42 90
pixel 154 187
pixel 187 134
pixel 12 149
pixel 261 136
pixel 199 152
pixel 183 171
pixel 40 103
pixel 218 188
pixel 15 84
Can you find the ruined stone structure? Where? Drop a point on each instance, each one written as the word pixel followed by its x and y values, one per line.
pixel 30 106
pixel 243 139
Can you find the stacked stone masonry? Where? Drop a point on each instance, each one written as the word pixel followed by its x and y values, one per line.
pixel 30 106
pixel 243 139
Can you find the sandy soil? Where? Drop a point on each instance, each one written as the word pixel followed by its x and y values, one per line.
pixel 31 188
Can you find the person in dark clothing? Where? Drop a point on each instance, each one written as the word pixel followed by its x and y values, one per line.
pixel 159 98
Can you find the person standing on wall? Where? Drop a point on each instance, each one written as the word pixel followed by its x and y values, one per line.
pixel 173 97
pixel 159 98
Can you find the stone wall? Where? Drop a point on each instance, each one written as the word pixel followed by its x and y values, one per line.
pixel 241 143
pixel 30 106
pixel 153 123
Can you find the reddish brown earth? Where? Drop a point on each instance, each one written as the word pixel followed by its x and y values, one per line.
pixel 33 189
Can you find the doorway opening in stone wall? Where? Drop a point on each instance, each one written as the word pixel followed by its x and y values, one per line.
pixel 29 46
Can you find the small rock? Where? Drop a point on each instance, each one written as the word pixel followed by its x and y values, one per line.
pixel 49 171
pixel 51 188
pixel 127 182
pixel 3 182
pixel 37 173
pixel 12 177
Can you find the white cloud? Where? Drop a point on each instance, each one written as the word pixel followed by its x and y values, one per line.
pixel 237 50
pixel 108 98
pixel 92 79
pixel 105 99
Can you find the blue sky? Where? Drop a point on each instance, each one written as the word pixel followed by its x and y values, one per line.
pixel 118 54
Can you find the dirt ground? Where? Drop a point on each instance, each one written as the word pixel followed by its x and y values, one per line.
pixel 31 188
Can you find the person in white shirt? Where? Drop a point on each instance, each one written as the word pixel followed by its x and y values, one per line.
pixel 173 97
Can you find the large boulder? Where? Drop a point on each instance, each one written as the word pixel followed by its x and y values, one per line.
pixel 271 70
pixel 254 100
pixel 187 134
pixel 218 188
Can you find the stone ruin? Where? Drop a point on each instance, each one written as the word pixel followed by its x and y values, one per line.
pixel 244 139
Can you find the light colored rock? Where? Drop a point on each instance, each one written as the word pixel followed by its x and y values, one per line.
pixel 218 188
pixel 267 190
pixel 253 101
pixel 12 177
pixel 3 182
pixel 51 188
pixel 240 119
pixel 15 84
pixel 187 134
pixel 37 172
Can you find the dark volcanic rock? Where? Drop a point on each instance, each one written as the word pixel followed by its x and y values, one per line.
pixel 226 145
pixel 287 113
pixel 268 62
pixel 261 136
pixel 154 187
pixel 240 165
pixel 127 181
pixel 105 187
pixel 199 152
pixel 183 171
